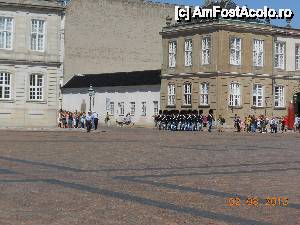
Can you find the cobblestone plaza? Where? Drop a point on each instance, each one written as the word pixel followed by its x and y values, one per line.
pixel 137 176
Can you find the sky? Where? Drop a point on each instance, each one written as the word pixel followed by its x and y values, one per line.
pixel 294 5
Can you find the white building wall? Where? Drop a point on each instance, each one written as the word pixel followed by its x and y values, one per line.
pixel 77 100
pixel 290 52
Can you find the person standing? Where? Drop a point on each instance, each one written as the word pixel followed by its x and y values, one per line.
pixel 88 119
pixel 107 119
pixel 96 120
pixel 237 123
pixel 297 123
pixel 210 119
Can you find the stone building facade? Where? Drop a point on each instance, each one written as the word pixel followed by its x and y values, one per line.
pixel 233 67
pixel 29 62
pixel 111 36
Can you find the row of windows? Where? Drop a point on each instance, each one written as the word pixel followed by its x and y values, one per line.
pixel 37 36
pixel 235 53
pixel 234 95
pixel 36 87
pixel 121 108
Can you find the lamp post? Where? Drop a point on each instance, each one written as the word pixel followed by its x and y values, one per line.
pixel 60 102
pixel 91 93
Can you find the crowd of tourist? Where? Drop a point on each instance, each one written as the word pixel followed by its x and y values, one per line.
pixel 262 124
pixel 185 120
pixel 67 119
pixel 196 121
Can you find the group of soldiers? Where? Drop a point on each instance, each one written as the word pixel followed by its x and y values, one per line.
pixel 176 120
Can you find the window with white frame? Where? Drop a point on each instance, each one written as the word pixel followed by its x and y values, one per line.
pixel 171 94
pixel 155 107
pixel 132 108
pixel 144 109
pixel 206 46
pixel 258 95
pixel 279 61
pixel 298 57
pixel 112 108
pixel 235 51
pixel 187 93
pixel 258 53
pixel 36 88
pixel 204 94
pixel 279 96
pixel 172 53
pixel 37 35
pixel 5 86
pixel 121 108
pixel 234 94
pixel 188 52
pixel 6 32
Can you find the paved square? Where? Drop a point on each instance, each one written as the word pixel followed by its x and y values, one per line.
pixel 142 176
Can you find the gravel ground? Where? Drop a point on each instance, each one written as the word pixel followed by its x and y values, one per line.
pixel 137 176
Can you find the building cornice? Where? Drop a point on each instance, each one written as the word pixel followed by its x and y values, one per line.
pixel 27 62
pixel 232 25
pixel 40 6
pixel 230 74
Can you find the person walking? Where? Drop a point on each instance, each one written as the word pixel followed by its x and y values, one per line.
pixel 107 119
pixel 210 119
pixel 96 120
pixel 88 119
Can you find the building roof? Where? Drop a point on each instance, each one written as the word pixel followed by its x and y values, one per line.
pixel 136 78
pixel 47 4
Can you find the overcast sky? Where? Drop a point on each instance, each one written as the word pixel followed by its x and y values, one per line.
pixel 275 4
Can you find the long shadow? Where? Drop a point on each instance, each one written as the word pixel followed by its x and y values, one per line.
pixel 200 190
pixel 69 141
pixel 150 202
pixel 220 150
pixel 210 173
pixel 7 171
pixel 234 145
pixel 60 167
pixel 34 163
pixel 193 167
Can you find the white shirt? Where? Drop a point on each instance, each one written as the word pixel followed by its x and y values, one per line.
pixel 95 115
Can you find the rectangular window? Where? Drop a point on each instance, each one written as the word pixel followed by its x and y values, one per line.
pixel 258 53
pixel 279 55
pixel 112 108
pixel 172 54
pixel 121 108
pixel 132 108
pixel 258 95
pixel 171 94
pixel 297 57
pixel 234 94
pixel 188 52
pixel 6 31
pixel 5 86
pixel 206 46
pixel 155 107
pixel 37 35
pixel 144 109
pixel 235 51
pixel 204 94
pixel 279 96
pixel 187 93
pixel 36 89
